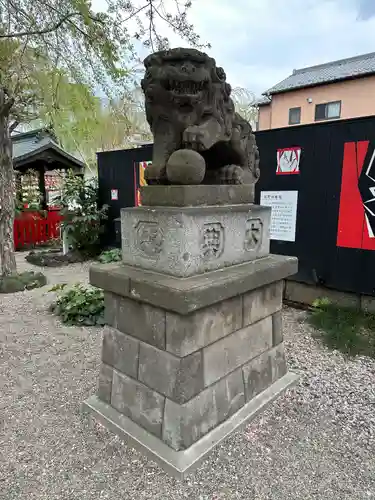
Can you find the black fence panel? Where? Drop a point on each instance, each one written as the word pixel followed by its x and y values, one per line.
pixel 118 182
pixel 332 240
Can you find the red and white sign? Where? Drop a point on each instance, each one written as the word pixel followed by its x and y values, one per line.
pixel 288 161
pixel 354 229
pixel 114 194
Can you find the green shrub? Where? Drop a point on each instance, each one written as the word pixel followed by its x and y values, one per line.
pixel 108 256
pixel 83 219
pixel 79 305
pixel 349 330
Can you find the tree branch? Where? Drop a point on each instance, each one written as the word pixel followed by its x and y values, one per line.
pixel 136 12
pixel 6 107
pixel 49 29
pixel 13 126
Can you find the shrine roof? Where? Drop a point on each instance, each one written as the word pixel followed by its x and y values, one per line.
pixel 28 145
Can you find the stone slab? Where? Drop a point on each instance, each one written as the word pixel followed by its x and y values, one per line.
pixel 177 378
pixel 264 370
pixel 181 463
pixel 120 351
pixel 187 334
pixel 110 309
pixel 185 241
pixel 138 402
pixel 229 353
pixel 184 296
pixel 185 424
pixel 304 293
pixel 368 304
pixel 277 328
pixel 193 196
pixel 279 367
pixel 105 383
pixel 140 320
pixel 262 302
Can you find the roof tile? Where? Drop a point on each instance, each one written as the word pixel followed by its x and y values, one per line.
pixel 30 143
pixel 324 73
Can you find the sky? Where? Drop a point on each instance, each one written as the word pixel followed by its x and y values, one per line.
pixel 260 42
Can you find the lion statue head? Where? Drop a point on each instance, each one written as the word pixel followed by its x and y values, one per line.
pixel 179 82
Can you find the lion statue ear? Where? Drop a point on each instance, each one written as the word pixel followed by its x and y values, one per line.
pixel 220 73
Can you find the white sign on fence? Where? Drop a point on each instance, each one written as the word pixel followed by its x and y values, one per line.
pixel 283 215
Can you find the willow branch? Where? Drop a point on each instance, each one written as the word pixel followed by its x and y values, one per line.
pixel 49 29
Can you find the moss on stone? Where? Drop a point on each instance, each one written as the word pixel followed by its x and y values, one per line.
pixel 22 281
pixel 54 258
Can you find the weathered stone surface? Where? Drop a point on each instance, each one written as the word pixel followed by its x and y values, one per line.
pixel 191 294
pixel 264 370
pixel 190 92
pixel 187 334
pixel 110 277
pixel 142 321
pixel 186 166
pixel 138 402
pixel 185 424
pixel 303 293
pixel 185 241
pixel 196 196
pixel 258 375
pixel 277 328
pixel 105 383
pixel 279 367
pixel 177 378
pixel 120 351
pixel 262 302
pixel 368 304
pixel 232 351
pixel 110 309
pixel 183 462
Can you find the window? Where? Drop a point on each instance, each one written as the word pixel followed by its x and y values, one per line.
pixel 328 111
pixel 294 116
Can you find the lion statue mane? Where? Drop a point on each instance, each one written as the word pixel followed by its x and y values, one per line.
pixel 188 105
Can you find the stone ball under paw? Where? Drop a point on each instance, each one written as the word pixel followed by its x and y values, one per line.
pixel 186 166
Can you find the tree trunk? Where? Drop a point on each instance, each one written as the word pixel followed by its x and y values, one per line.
pixel 7 191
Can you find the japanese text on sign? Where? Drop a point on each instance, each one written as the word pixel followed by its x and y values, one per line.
pixel 283 215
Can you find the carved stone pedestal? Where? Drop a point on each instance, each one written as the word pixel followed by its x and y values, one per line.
pixel 194 346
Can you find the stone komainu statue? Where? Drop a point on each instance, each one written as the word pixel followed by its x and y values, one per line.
pixel 188 105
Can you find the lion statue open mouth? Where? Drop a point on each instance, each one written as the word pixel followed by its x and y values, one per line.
pixel 188 105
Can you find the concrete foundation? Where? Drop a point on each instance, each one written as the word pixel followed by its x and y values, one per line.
pixel 194 345
pixel 305 294
pixel 181 463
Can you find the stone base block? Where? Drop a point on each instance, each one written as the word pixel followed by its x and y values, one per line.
pixel 180 463
pixel 185 360
pixel 184 296
pixel 186 241
pixel 197 196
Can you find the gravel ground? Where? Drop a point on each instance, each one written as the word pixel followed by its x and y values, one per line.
pixel 315 442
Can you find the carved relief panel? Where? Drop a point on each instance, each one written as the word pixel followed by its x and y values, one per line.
pixel 213 240
pixel 149 238
pixel 253 234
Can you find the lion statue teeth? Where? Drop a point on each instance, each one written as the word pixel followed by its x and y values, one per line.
pixel 188 106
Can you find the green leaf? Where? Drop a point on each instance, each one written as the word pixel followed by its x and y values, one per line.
pixel 80 305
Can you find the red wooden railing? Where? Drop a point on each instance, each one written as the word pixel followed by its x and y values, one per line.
pixel 34 228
